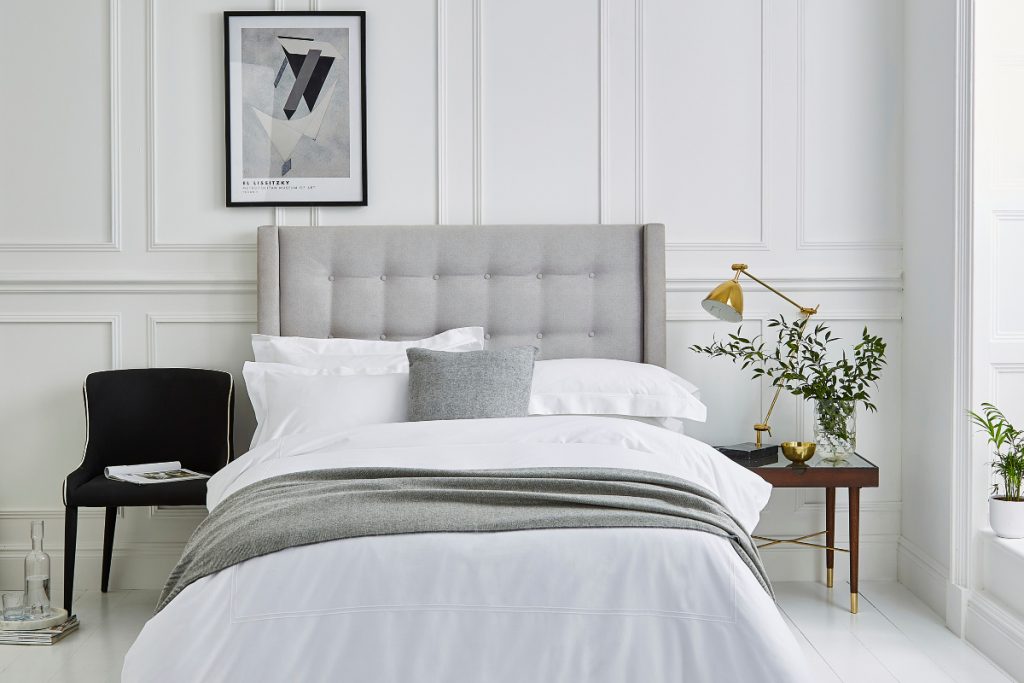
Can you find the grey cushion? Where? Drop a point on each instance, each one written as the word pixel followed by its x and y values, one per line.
pixel 446 385
pixel 573 291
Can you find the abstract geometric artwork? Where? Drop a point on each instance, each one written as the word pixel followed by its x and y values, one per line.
pixel 296 108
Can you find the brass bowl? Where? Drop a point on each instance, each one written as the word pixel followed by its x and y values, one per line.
pixel 798 451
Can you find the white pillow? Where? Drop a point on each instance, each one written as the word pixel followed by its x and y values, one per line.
pixel 359 354
pixel 602 386
pixel 289 399
pixel 670 423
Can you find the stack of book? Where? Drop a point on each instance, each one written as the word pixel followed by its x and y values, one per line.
pixel 43 636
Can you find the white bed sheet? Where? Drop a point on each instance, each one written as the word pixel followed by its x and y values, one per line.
pixel 545 605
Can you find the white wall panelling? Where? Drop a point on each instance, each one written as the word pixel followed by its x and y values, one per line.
pixel 127 282
pixel 850 156
pixel 693 114
pixel 42 420
pixel 37 128
pixel 402 127
pixel 540 111
pixel 718 50
pixel 1007 307
pixel 190 169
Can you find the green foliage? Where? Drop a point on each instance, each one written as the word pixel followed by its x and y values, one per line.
pixel 1008 446
pixel 799 361
pixel 833 419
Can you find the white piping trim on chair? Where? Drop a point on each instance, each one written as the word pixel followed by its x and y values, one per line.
pixel 85 447
pixel 231 392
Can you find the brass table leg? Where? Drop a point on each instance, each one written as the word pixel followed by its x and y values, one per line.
pixel 830 533
pixel 854 545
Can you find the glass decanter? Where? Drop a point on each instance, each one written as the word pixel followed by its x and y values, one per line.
pixel 37 577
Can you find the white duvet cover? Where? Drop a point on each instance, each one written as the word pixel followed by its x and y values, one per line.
pixel 569 605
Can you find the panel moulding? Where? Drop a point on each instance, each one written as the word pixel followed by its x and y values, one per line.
pixel 154 320
pixel 153 241
pixel 111 319
pixel 114 243
pixel 765 86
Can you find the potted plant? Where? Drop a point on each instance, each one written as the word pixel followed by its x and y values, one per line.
pixel 1005 512
pixel 800 363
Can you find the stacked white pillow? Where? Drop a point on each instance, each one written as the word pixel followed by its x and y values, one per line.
pixel 361 355
pixel 288 399
pixel 300 384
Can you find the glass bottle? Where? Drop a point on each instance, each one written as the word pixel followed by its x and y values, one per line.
pixel 37 577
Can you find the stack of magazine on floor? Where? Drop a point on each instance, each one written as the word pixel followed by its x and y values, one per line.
pixel 43 636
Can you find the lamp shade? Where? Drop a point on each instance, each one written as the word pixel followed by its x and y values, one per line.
pixel 725 302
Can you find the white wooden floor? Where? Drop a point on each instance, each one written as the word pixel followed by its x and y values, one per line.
pixel 894 638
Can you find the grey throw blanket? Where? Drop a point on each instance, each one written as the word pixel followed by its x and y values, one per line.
pixel 325 505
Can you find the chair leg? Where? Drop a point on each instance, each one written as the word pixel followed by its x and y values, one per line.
pixel 70 538
pixel 108 546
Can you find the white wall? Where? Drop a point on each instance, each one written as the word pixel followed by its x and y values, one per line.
pixel 928 259
pixel 763 132
pixel 995 612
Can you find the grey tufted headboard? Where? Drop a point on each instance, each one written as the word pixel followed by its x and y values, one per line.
pixel 570 290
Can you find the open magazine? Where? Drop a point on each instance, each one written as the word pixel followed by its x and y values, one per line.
pixel 152 473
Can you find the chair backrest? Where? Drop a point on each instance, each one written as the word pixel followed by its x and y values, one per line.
pixel 158 415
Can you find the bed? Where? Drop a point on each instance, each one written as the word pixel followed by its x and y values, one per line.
pixel 602 603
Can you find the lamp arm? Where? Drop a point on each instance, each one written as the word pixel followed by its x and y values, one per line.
pixel 742 268
pixel 805 311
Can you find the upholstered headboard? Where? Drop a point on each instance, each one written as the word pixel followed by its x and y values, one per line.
pixel 570 290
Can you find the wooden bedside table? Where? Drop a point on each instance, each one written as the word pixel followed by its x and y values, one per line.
pixel 853 473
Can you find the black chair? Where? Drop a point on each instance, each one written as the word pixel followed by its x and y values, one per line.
pixel 139 416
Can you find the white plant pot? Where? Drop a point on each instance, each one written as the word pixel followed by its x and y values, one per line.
pixel 1006 517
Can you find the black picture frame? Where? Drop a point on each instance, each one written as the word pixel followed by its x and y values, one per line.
pixel 273 194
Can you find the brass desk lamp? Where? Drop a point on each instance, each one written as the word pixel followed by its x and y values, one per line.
pixel 725 302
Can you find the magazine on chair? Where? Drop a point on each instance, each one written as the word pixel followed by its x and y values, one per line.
pixel 152 473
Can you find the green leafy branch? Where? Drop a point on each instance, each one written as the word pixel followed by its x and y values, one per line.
pixel 799 361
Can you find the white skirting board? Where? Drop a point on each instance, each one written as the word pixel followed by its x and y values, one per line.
pixel 147 544
pixel 923 575
pixel 996 632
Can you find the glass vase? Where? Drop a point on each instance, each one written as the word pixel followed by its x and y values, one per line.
pixel 37 577
pixel 835 429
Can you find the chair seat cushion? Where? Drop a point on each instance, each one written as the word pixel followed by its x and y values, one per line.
pixel 102 492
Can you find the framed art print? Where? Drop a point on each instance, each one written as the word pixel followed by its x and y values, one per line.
pixel 295 102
